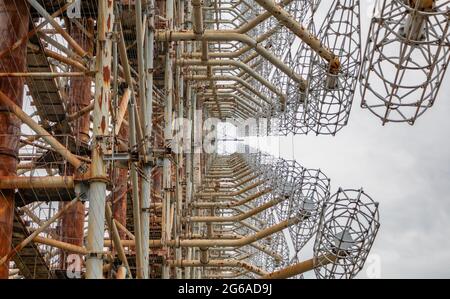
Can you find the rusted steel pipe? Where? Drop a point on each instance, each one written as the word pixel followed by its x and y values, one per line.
pixel 225 204
pixel 300 268
pixel 229 78
pixel 124 229
pixel 235 193
pixel 77 114
pixel 14 21
pixel 99 178
pixel 43 74
pixel 237 64
pixel 422 4
pixel 197 16
pixel 236 218
pixel 54 143
pixel 203 243
pixel 120 194
pixel 47 182
pixel 61 245
pixel 259 19
pixel 123 107
pixel 307 37
pixel 255 245
pixel 59 57
pixel 240 51
pixel 116 237
pixel 243 241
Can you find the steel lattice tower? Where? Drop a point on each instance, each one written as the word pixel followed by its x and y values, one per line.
pixel 108 154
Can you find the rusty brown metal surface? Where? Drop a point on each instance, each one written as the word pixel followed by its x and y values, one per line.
pixel 29 260
pixel 13 26
pixel 80 88
pixel 119 206
pixel 72 222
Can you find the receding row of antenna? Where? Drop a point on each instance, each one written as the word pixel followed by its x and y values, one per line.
pixel 399 74
pixel 344 225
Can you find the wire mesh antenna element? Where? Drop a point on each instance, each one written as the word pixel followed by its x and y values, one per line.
pixel 405 60
pixel 295 119
pixel 300 192
pixel 310 197
pixel 347 230
pixel 331 92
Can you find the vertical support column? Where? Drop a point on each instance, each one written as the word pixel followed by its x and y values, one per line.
pixel 197 149
pixel 189 190
pixel 190 138
pixel 72 221
pixel 198 143
pixel 14 21
pixel 97 188
pixel 148 127
pixel 167 184
pixel 179 153
pixel 142 213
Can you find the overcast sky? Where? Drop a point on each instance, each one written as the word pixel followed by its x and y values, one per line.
pixel 405 168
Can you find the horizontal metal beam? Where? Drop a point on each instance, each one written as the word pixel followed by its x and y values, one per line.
pixel 217 263
pixel 167 35
pixel 47 182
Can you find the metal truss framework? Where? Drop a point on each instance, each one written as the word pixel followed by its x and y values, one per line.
pixel 98 174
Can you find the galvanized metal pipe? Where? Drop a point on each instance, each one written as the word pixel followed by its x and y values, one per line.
pixel 97 187
pixel 146 185
pixel 167 173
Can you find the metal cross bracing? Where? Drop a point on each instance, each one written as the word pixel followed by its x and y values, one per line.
pixel 106 181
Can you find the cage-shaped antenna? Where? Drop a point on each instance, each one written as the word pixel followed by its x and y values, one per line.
pixel 347 230
pixel 286 177
pixel 309 199
pixel 295 119
pixel 284 44
pixel 406 56
pixel 331 91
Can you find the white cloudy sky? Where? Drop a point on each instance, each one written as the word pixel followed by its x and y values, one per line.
pixel 405 168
